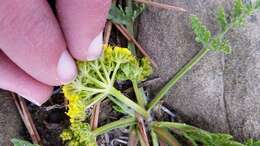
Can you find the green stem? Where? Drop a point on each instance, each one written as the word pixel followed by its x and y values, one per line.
pixel 125 108
pixel 95 100
pixel 98 72
pixel 177 77
pixel 114 92
pixel 154 138
pixel 117 124
pixel 114 73
pixel 130 27
pixel 172 125
pixel 89 89
pixel 105 71
pixel 99 83
pixel 139 96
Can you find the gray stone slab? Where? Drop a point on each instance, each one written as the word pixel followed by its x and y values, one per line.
pixel 220 93
pixel 242 80
pixel 10 122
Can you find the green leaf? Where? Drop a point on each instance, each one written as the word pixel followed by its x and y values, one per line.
pixel 202 33
pixel 238 8
pixel 117 15
pixel 220 45
pixel 222 20
pixel 19 142
pixel 138 9
pixel 124 17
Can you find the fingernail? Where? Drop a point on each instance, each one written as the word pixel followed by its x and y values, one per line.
pixel 66 68
pixel 95 48
pixel 35 101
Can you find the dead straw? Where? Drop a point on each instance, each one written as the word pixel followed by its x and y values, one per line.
pixel 27 119
pixel 160 5
pixel 131 38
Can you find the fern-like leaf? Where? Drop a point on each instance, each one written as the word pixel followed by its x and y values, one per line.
pixel 222 20
pixel 202 33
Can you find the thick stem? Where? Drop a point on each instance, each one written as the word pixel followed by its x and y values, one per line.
pixel 139 96
pixel 118 95
pixel 177 77
pixel 117 124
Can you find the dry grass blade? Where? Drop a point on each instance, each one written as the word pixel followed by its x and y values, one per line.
pixel 130 38
pixel 95 116
pixel 162 143
pixel 160 5
pixel 107 33
pixel 141 128
pixel 133 141
pixel 27 119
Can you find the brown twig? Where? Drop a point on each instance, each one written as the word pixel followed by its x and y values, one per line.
pixel 95 116
pixel 129 37
pixel 132 138
pixel 141 128
pixel 107 32
pixel 27 119
pixel 162 143
pixel 160 5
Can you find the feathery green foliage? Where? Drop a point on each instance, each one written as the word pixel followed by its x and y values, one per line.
pixel 96 79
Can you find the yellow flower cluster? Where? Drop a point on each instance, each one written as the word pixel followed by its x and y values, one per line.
pixel 95 82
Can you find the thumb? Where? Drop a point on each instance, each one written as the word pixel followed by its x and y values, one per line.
pixel 82 22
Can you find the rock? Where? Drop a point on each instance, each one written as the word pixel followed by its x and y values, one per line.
pixel 10 123
pixel 242 80
pixel 221 93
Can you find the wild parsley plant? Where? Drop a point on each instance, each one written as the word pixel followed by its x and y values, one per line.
pixel 96 79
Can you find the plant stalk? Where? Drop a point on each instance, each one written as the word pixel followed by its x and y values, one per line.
pixel 130 27
pixel 154 138
pixel 117 124
pixel 114 92
pixel 139 96
pixel 177 77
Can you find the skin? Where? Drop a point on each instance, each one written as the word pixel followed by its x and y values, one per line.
pixel 37 49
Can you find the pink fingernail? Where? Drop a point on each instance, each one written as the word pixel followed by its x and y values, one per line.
pixel 66 68
pixel 36 101
pixel 95 47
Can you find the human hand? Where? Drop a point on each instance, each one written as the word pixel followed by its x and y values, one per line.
pixel 33 52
